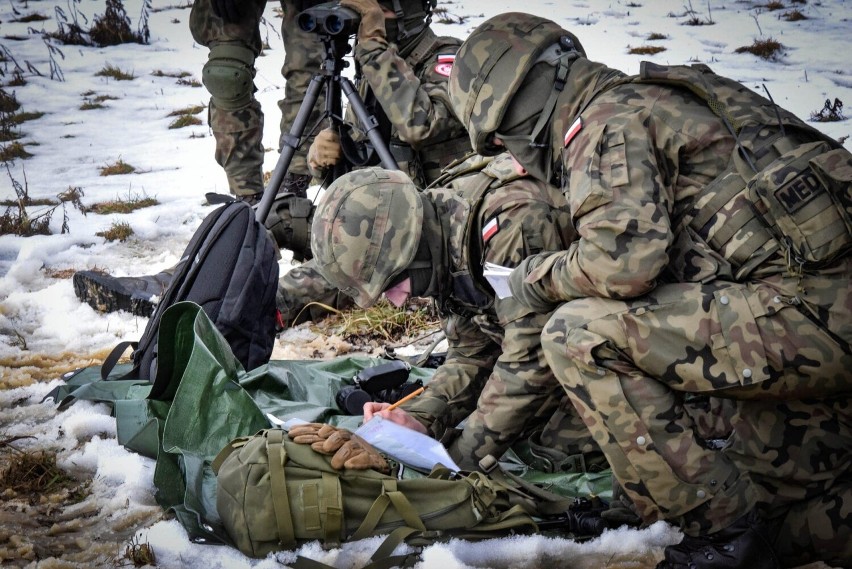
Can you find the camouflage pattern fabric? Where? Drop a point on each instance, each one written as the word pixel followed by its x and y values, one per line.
pixel 303 56
pixel 411 90
pixel 238 132
pixel 495 374
pixel 650 314
pixel 420 116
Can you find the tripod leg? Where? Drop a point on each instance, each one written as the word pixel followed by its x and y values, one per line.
pixel 369 123
pixel 290 142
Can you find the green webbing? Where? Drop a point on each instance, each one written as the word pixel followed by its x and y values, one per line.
pixel 333 502
pixel 371 520
pixel 277 456
pixel 402 505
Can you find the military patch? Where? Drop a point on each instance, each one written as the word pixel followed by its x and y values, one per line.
pixel 445 65
pixel 572 132
pixel 490 230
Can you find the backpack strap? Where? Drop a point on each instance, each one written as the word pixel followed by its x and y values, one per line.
pixel 390 496
pixel 277 456
pixel 112 359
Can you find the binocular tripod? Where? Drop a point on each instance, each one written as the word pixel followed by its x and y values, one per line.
pixel 327 79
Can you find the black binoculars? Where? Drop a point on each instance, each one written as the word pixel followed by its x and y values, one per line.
pixel 330 19
pixel 385 383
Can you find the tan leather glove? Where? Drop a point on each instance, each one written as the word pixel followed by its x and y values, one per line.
pixel 372 18
pixel 310 433
pixel 325 150
pixel 333 442
pixel 358 454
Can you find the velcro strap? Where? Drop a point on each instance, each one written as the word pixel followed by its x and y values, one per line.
pixel 277 456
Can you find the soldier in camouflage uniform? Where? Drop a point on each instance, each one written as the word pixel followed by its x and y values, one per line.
pixel 230 29
pixel 675 287
pixel 405 68
pixel 375 232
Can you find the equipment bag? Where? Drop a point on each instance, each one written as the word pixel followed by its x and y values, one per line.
pixel 797 180
pixel 230 269
pixel 274 494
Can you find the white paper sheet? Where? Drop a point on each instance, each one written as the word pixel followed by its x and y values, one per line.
pixel 405 445
pixel 498 277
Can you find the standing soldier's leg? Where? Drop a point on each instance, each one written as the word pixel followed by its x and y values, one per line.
pixel 234 115
pixel 303 55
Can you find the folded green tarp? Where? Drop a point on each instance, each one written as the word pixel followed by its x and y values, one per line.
pixel 202 399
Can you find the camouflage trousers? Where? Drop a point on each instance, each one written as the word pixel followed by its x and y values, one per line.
pixel 239 132
pixel 627 367
pixel 303 56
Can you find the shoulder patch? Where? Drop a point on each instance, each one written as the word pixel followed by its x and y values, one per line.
pixel 490 229
pixel 572 131
pixel 445 64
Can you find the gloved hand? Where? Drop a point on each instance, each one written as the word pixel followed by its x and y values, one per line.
pixel 325 150
pixel 621 509
pixel 372 18
pixel 230 11
pixel 527 293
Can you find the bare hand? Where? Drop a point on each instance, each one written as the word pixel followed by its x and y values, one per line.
pixel 397 416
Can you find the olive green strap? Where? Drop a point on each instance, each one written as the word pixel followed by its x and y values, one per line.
pixel 390 495
pixel 333 499
pixel 382 558
pixel 277 456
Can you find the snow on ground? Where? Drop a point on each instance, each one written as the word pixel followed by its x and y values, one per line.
pixel 45 330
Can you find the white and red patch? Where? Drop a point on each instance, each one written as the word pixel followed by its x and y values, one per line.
pixel 490 230
pixel 576 127
pixel 445 65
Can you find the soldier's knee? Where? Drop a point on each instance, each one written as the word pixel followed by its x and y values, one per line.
pixel 229 75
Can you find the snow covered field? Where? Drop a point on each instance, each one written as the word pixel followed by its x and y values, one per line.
pixel 45 330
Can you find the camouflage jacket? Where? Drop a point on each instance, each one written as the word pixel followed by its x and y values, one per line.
pixel 495 367
pixel 635 159
pixel 411 90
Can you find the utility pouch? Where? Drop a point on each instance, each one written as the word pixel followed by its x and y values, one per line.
pixel 799 197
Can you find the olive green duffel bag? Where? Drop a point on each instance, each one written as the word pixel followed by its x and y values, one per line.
pixel 274 494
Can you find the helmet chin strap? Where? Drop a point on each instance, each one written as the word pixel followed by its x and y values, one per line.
pixel 404 33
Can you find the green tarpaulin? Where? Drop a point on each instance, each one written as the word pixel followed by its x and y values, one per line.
pixel 202 399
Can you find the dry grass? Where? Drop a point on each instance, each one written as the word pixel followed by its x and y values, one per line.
pixel 772 6
pixel 122 206
pixel 794 16
pixel 14 151
pixel 31 17
pixel 646 50
pixel 382 322
pixel 830 112
pixel 656 36
pixel 118 167
pixel 768 49
pixel 23 117
pixel 184 121
pixel 118 231
pixel 113 72
pixel 31 471
pixel 137 555
pixel 174 74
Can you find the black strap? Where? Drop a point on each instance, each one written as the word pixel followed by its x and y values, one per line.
pixel 113 357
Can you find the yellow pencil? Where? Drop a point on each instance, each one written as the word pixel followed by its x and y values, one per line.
pixel 411 395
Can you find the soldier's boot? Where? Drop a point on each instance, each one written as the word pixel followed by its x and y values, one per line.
pixel 743 544
pixel 105 293
pixel 296 184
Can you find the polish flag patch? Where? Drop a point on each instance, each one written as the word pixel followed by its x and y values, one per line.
pixel 572 132
pixel 445 65
pixel 490 230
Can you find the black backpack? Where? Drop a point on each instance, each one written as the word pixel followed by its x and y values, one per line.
pixel 230 269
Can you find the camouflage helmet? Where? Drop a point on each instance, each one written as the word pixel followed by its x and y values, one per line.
pixel 491 66
pixel 366 230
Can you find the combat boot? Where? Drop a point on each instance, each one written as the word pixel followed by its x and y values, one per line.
pixel 743 544
pixel 105 293
pixel 296 184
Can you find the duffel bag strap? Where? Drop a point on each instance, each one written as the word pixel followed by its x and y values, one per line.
pixel 333 499
pixel 277 456
pixel 390 495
